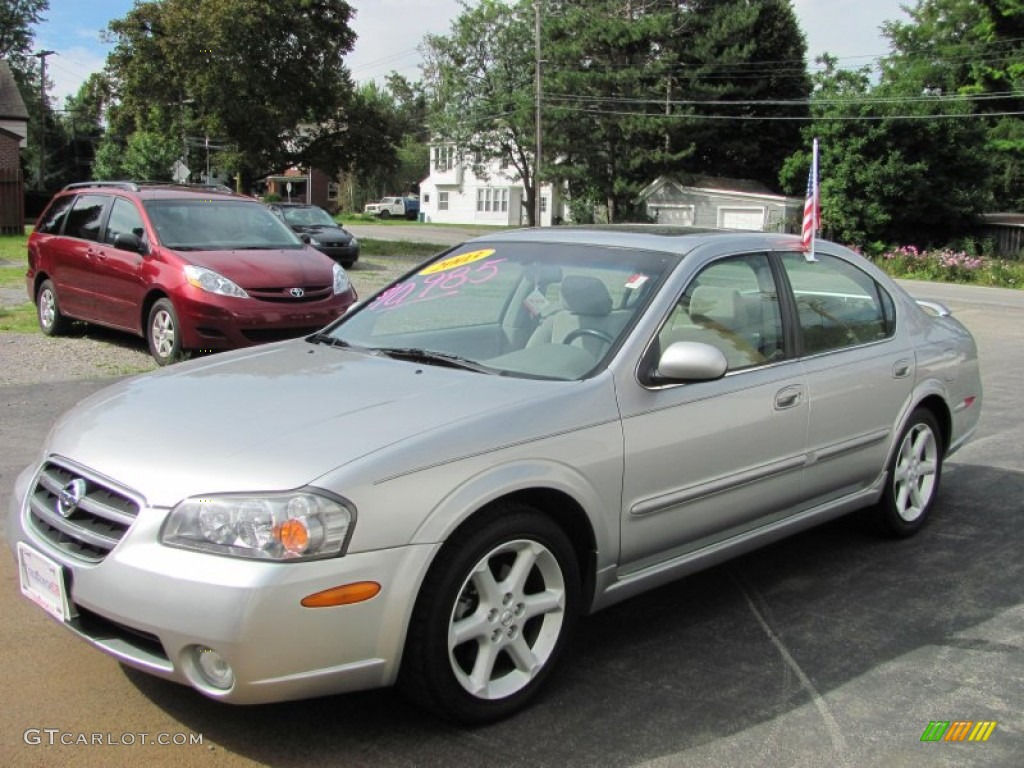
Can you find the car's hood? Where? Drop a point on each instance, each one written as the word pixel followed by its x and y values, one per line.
pixel 325 230
pixel 270 418
pixel 268 268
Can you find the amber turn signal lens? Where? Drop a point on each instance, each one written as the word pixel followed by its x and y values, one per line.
pixel 343 595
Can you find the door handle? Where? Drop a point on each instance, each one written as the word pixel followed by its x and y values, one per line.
pixel 788 397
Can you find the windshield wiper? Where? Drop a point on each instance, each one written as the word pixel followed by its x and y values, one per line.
pixel 430 357
pixel 325 338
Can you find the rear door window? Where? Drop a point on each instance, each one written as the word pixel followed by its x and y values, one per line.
pixel 86 216
pixel 839 305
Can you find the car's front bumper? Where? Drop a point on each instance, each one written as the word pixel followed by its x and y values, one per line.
pixel 211 322
pixel 153 607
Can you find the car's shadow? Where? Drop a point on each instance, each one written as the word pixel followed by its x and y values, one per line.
pixel 81 330
pixel 691 662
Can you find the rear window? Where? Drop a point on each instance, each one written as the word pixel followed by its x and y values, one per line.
pixel 52 220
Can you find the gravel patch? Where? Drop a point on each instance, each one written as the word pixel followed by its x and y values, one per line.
pixel 91 352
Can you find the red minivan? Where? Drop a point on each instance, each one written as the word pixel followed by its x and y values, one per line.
pixel 188 267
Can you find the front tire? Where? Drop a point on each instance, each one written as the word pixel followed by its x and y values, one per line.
pixel 51 321
pixel 912 484
pixel 492 617
pixel 163 333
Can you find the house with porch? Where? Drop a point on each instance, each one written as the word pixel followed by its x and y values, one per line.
pixel 454 194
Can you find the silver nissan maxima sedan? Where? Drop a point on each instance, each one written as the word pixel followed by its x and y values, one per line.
pixel 531 426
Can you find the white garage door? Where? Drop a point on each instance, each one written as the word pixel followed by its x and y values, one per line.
pixel 741 218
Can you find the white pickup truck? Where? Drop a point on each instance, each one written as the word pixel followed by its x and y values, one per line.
pixel 407 207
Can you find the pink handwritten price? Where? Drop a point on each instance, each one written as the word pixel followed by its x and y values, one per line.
pixel 436 285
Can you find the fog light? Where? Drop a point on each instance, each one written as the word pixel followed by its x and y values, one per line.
pixel 214 668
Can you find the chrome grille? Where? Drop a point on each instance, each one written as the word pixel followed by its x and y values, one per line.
pixel 284 295
pixel 89 528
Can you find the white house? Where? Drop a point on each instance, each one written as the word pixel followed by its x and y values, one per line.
pixel 454 194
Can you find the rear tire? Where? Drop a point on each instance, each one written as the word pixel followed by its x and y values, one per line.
pixel 51 321
pixel 912 484
pixel 492 618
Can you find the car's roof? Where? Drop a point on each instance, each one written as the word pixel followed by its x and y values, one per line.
pixel 653 237
pixel 156 190
pixel 293 205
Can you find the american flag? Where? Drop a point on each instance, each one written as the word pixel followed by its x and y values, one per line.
pixel 812 206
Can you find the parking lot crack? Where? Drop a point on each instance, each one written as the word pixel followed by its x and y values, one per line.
pixel 835 733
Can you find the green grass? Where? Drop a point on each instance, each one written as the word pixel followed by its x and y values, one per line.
pixel 365 218
pixel 398 248
pixel 13 248
pixel 19 319
pixel 12 277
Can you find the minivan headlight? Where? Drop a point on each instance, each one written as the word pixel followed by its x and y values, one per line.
pixel 210 281
pixel 296 525
pixel 341 282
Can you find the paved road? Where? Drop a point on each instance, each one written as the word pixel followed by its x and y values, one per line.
pixel 830 649
pixel 431 233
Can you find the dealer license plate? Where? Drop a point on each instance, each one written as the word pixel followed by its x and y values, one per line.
pixel 42 582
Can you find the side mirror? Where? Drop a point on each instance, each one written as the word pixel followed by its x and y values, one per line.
pixel 305 238
pixel 691 361
pixel 129 241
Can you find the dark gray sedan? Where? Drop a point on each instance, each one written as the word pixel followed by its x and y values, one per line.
pixel 533 425
pixel 317 228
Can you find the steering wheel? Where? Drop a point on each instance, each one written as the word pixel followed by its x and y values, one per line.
pixel 575 334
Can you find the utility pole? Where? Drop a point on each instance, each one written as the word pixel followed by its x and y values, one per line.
pixel 41 55
pixel 537 129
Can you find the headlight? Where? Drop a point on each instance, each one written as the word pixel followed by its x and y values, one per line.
pixel 295 525
pixel 354 242
pixel 314 241
pixel 212 282
pixel 341 283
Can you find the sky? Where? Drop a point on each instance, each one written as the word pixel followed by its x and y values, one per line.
pixel 389 32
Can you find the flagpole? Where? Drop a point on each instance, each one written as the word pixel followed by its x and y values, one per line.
pixel 812 206
pixel 817 199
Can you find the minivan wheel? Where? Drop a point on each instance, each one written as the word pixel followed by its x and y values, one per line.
pixel 51 321
pixel 164 334
pixel 912 484
pixel 492 618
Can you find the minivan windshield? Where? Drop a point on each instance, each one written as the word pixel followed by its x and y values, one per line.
pixel 541 310
pixel 218 225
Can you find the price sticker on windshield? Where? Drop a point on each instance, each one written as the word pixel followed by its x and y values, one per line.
pixel 456 261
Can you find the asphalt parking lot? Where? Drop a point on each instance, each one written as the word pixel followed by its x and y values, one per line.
pixel 833 648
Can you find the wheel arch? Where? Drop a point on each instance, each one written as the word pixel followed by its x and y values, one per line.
pixel 570 516
pixel 152 297
pixel 938 407
pixel 38 279
pixel 564 508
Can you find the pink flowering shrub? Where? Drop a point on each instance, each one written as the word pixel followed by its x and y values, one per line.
pixel 951 266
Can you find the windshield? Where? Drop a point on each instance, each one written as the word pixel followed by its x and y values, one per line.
pixel 308 217
pixel 538 310
pixel 218 225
